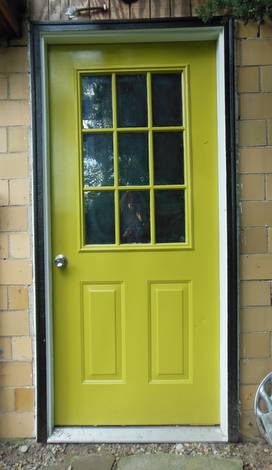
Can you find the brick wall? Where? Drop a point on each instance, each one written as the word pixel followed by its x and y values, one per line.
pixel 254 73
pixel 254 53
pixel 16 358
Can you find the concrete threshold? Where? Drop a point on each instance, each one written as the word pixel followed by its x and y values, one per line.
pixel 148 462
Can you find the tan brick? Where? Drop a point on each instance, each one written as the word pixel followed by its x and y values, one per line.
pixel 252 371
pixel 248 79
pixel 256 319
pixel 252 133
pixel 13 166
pixel 254 240
pixel 266 28
pixel 18 298
pixel 252 187
pixel 256 213
pixel 14 323
pixel 3 298
pixel 15 373
pixel 256 267
pixel 269 131
pixel 24 399
pixel 247 396
pixel 13 219
pixel 18 86
pixel 5 346
pixel 254 345
pixel 248 426
pixel 256 52
pixel 19 245
pixel 255 293
pixel 22 348
pixel 256 160
pixel 17 425
pixel 15 271
pixel 3 245
pixel 249 30
pixel 268 187
pixel 13 59
pixel 14 113
pixel 256 105
pixel 19 192
pixel 3 88
pixel 270 240
pixel 18 139
pixel 7 400
pixel 3 140
pixel 4 193
pixel 266 79
pixel 238 51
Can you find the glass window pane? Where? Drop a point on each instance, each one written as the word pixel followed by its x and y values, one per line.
pixel 134 217
pixel 168 158
pixel 133 158
pixel 98 159
pixel 96 102
pixel 131 101
pixel 166 99
pixel 169 216
pixel 99 217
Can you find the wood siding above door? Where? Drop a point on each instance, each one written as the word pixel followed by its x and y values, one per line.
pixel 54 10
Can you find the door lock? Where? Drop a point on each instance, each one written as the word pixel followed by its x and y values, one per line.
pixel 60 261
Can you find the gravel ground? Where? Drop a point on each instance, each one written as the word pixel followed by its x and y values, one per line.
pixel 32 456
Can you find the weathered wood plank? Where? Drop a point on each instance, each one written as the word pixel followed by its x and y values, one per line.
pixel 54 10
pixel 80 4
pixel 58 9
pixel 160 8
pixel 102 15
pixel 64 5
pixel 39 10
pixel 118 10
pixel 195 5
pixel 180 8
pixel 140 9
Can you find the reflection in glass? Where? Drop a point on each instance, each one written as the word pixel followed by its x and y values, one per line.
pixel 98 159
pixel 131 101
pixel 96 101
pixel 134 217
pixel 168 158
pixel 166 99
pixel 133 158
pixel 99 218
pixel 169 216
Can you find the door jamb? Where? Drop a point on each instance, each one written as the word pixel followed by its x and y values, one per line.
pixel 42 36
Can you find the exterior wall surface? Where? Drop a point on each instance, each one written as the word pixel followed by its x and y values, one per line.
pixel 254 82
pixel 16 323
pixel 254 69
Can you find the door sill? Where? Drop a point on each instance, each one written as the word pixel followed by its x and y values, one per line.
pixel 135 434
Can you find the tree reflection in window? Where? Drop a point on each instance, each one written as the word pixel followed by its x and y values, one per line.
pixel 134 217
pixel 96 102
pixel 98 160
pixel 99 218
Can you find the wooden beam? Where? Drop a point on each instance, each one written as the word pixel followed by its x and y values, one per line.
pixel 11 13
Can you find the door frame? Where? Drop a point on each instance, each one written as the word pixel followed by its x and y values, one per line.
pixel 43 35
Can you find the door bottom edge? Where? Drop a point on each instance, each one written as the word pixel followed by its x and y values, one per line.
pixel 136 434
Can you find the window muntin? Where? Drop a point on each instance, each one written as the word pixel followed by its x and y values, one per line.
pixel 147 169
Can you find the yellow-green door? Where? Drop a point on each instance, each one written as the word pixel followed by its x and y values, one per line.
pixel 134 204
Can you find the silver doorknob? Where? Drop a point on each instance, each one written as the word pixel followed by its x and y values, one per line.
pixel 61 261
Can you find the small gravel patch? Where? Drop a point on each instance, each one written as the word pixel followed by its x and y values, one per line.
pixel 29 455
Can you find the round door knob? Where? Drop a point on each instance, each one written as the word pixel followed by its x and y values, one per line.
pixel 61 261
